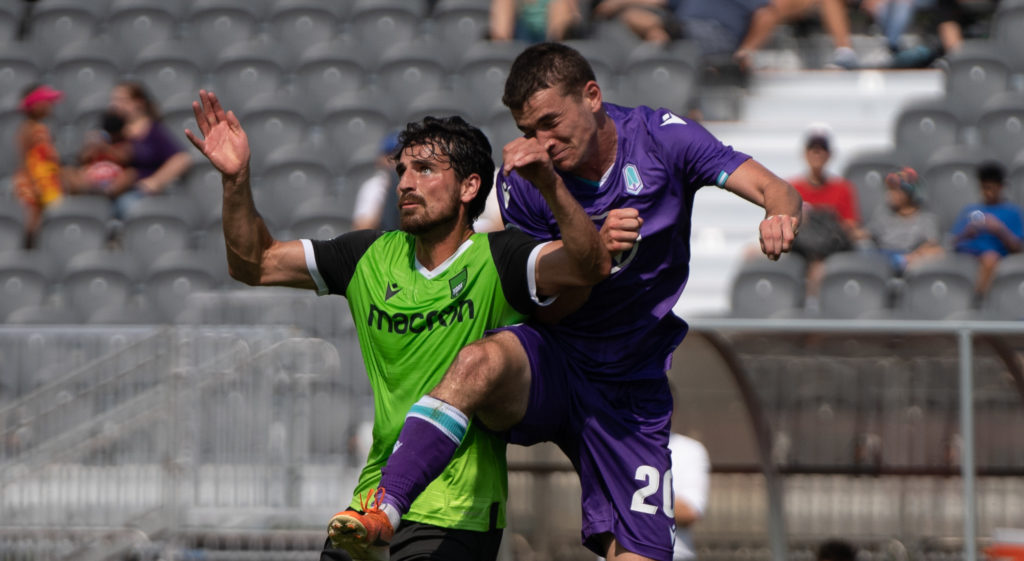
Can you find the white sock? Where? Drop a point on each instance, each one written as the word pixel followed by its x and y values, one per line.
pixel 393 515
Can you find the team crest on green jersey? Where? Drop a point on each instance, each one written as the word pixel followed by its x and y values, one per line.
pixel 458 282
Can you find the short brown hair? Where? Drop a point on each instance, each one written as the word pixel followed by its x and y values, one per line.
pixel 543 66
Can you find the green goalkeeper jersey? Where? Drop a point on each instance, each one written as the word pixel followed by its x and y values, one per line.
pixel 411 323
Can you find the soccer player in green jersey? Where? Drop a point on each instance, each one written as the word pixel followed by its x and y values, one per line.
pixel 418 295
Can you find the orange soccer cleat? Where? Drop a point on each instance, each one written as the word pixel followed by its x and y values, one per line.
pixel 365 536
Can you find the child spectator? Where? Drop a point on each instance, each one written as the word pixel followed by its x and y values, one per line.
pixel 902 230
pixel 37 183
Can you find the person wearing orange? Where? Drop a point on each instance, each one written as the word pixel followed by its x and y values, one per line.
pixel 37 183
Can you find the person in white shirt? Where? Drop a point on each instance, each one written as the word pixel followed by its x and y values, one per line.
pixel 690 481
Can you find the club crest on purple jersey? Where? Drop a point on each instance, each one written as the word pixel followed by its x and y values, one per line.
pixel 633 182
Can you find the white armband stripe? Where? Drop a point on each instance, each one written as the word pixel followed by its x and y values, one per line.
pixel 318 279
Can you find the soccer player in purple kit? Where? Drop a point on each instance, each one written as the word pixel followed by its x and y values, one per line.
pixel 595 382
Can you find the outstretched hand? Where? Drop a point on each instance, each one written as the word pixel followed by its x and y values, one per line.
pixel 224 142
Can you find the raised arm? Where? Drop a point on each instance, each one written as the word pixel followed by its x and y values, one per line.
pixel 781 203
pixel 254 256
pixel 580 258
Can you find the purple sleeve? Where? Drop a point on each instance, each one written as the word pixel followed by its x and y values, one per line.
pixel 695 153
pixel 523 208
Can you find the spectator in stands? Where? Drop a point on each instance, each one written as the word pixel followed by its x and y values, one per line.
pixel 765 17
pixel 156 156
pixel 651 20
pixel 690 482
pixel 991 229
pixel 901 229
pixel 831 219
pixel 376 204
pixel 534 21
pixel 896 16
pixel 719 27
pixel 38 182
pixel 836 550
pixel 103 158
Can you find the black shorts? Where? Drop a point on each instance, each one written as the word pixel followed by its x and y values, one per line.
pixel 415 541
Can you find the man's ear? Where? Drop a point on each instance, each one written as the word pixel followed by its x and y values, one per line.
pixel 470 187
pixel 592 95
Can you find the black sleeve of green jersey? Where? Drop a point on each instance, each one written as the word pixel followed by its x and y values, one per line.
pixel 336 259
pixel 511 250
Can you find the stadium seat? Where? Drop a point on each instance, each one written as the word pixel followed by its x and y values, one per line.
pixel 288 180
pixel 867 171
pixel 500 128
pixel 58 23
pixel 355 119
pixel 175 275
pixel 271 121
pixel 247 69
pixel 1001 126
pixel 764 288
pixel 483 69
pixel 1007 22
pixel 202 184
pixel 10 119
pixel 379 24
pixel 10 17
pixel 214 25
pixel 169 69
pixel 1014 190
pixel 951 182
pixel 297 25
pixel 96 279
pixel 43 314
pixel 975 74
pixel 1005 297
pixel 939 288
pixel 458 23
pixel 325 70
pixel 604 57
pixel 25 279
pixel 132 313
pixel 84 70
pixel 320 219
pixel 658 78
pixel 11 226
pixel 137 24
pixel 156 225
pixel 855 284
pixel 72 226
pixel 440 103
pixel 19 68
pixel 921 128
pixel 410 69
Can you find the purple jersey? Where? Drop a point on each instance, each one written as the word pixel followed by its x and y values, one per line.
pixel 627 329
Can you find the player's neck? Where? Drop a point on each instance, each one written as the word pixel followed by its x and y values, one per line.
pixel 433 248
pixel 606 147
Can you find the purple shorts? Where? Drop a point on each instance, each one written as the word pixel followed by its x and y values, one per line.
pixel 616 435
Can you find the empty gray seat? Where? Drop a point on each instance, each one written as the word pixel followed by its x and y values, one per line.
pixel 975 74
pixel 1001 126
pixel 1007 22
pixel 764 288
pixel 19 68
pixel 97 279
pixel 213 25
pixel 855 284
pixel 939 288
pixel 299 24
pixel 170 68
pixel 410 69
pixel 658 79
pixel 922 127
pixel 320 219
pixel 139 23
pixel 157 225
pixel 71 227
pixel 459 23
pixel 44 314
pixel 11 227
pixel 352 120
pixel 325 70
pixel 246 69
pixel 25 278
pixel 379 24
pixel 202 184
pixel 173 277
pixel 272 121
pixel 82 71
pixel 289 180
pixel 1014 190
pixel 483 69
pixel 440 103
pixel 58 23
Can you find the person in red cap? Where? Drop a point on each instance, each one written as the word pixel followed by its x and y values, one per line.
pixel 38 181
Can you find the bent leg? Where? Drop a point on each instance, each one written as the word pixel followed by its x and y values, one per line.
pixel 490 378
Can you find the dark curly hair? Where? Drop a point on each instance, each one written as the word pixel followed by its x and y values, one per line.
pixel 462 146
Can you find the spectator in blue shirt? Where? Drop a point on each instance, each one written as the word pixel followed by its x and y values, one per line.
pixel 991 229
